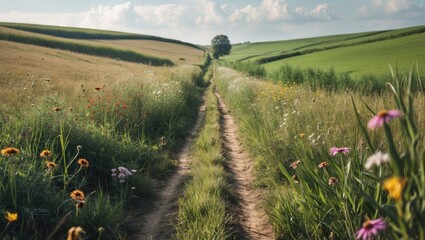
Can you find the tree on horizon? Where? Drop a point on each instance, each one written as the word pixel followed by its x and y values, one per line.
pixel 221 46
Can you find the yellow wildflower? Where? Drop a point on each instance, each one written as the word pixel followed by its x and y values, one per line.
pixel 11 217
pixel 394 186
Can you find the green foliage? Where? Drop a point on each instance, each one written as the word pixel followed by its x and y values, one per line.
pixel 252 69
pixel 221 46
pixel 317 78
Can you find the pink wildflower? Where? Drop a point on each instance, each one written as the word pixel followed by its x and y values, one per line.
pixel 335 150
pixel 382 117
pixel 370 229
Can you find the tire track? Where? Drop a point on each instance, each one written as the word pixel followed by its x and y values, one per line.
pixel 251 217
pixel 159 222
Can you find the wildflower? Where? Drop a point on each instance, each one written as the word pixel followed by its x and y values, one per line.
pixel 9 151
pixel 332 181
pixel 377 159
pixel 45 153
pixel 394 186
pixel 83 162
pixel 301 135
pixel 335 150
pixel 74 233
pixel 323 164
pixel 77 195
pixel 370 229
pixel 50 165
pixel 122 173
pixel 382 117
pixel 11 217
pixel 57 109
pixel 295 164
pixel 295 178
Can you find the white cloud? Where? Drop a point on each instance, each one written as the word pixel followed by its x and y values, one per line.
pixel 271 11
pixel 198 21
pixel 109 16
pixel 210 13
pixel 161 15
pixel 392 8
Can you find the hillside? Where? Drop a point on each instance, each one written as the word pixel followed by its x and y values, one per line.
pixel 357 53
pixel 128 47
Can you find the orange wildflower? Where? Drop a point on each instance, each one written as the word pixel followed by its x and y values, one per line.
pixel 50 165
pixel 9 151
pixel 77 195
pixel 83 162
pixel 74 233
pixel 45 153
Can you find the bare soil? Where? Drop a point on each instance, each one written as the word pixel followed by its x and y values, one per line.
pixel 160 222
pixel 251 217
pixel 251 221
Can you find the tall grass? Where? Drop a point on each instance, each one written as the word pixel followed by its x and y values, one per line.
pixel 202 208
pixel 250 68
pixel 134 125
pixel 290 129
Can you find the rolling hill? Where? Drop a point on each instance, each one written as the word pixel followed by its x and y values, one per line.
pixel 357 53
pixel 124 46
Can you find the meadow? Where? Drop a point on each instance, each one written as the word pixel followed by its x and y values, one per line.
pixel 330 172
pixel 87 141
pixel 83 134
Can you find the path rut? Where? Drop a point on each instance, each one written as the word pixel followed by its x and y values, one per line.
pixel 160 222
pixel 250 215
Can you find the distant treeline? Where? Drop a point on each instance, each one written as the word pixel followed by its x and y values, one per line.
pixel 80 33
pixel 125 55
pixel 318 79
pixel 293 53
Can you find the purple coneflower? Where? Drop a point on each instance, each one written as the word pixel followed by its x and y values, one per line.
pixel 370 229
pixel 382 117
pixel 335 150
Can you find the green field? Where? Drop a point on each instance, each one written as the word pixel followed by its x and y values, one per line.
pixel 358 53
pixel 371 58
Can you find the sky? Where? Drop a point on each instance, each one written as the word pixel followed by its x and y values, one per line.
pixel 198 21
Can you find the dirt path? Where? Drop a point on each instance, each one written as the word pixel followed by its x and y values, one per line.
pixel 160 222
pixel 251 216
